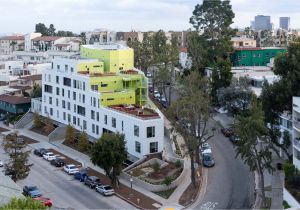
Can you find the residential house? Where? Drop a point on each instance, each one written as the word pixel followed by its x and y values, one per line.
pixel 14 104
pixel 9 44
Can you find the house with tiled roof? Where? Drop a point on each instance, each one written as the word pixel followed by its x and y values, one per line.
pixel 54 43
pixel 14 104
pixel 9 44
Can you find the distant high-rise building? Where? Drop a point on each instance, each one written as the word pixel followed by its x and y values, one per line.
pixel 263 22
pixel 252 24
pixel 284 23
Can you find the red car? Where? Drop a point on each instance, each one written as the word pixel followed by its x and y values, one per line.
pixel 227 132
pixel 45 201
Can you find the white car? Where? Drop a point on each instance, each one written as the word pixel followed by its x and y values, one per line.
pixel 71 169
pixel 49 156
pixel 205 148
pixel 156 94
pixel 105 189
pixel 1 163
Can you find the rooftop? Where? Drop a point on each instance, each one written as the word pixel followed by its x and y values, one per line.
pixel 138 111
pixel 236 39
pixel 106 47
pixel 46 38
pixel 12 38
pixel 32 77
pixel 15 99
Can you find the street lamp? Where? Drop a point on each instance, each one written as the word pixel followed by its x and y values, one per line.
pixel 131 180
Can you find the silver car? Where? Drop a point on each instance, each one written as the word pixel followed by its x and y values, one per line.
pixel 105 189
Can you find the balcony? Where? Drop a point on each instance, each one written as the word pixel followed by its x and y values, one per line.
pixel 296 143
pixel 297 123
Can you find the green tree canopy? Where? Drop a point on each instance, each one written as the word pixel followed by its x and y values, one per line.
pixel 109 152
pixel 23 204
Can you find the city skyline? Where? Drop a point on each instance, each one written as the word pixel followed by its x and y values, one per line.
pixel 124 15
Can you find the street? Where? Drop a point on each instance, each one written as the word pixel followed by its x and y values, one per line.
pixel 64 191
pixel 230 183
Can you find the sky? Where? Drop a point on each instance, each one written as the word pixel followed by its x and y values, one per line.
pixel 20 16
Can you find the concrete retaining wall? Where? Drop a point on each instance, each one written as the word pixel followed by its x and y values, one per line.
pixel 58 134
pixel 25 120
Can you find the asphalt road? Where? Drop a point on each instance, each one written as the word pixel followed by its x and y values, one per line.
pixel 64 191
pixel 230 184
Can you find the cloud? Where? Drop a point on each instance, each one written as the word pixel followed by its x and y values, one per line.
pixel 79 15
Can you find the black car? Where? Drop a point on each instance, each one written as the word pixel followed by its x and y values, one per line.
pixel 32 191
pixel 58 162
pixel 92 181
pixel 40 152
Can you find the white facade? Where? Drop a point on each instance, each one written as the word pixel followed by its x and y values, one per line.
pixel 68 98
pixel 28 38
pixel 296 132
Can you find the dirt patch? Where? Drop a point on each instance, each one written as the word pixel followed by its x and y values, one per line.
pixel 75 146
pixel 42 131
pixel 28 140
pixel 162 173
pixel 3 130
pixel 67 159
pixel 191 192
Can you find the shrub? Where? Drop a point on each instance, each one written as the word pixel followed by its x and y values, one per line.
pixel 156 167
pixel 178 164
pixel 167 181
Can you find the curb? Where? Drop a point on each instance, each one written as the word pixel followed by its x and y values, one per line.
pixel 128 201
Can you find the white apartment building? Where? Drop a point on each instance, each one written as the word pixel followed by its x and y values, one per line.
pixel 69 98
pixel 296 132
pixel 9 44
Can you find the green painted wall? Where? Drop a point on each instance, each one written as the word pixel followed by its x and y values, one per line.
pixel 250 57
pixel 14 109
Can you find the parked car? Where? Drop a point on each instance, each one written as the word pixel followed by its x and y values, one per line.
pixel 105 189
pixel 40 152
pixel 71 169
pixel 164 103
pixel 208 160
pixel 1 163
pixel 227 132
pixel 46 201
pixel 205 148
pixel 234 138
pixel 49 156
pixel 58 162
pixel 156 94
pixel 80 175
pixel 32 191
pixel 92 181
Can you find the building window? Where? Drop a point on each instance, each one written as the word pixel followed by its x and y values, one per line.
pixel 64 116
pixel 51 111
pixel 83 86
pixel 48 88
pixel 67 82
pixel 74 120
pixel 138 147
pixel 69 118
pixel 105 119
pixel 113 122
pixel 63 92
pixel 84 125
pixel 66 68
pixel 94 87
pixel 57 79
pixel 92 114
pixel 58 67
pixel 63 103
pixel 57 102
pixel 57 113
pixel 98 117
pixel 153 147
pixel 69 94
pixel 78 121
pixel 57 91
pixel 136 130
pixel 69 106
pixel 74 96
pixel 81 110
pixel 50 100
pixel 150 132
pixel 97 129
pixel 72 69
pixel 122 125
pixel 94 102
pixel 93 128
pixel 83 98
pixel 74 108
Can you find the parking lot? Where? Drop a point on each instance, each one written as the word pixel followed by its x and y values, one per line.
pixel 64 191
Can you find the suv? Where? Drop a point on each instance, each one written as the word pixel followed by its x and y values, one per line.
pixel 92 181
pixel 71 169
pixel 40 152
pixel 80 175
pixel 31 191
pixel 58 162
pixel 49 156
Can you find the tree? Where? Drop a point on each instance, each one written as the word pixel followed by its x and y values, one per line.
pixel 109 152
pixel 49 127
pixel 37 123
pixel 255 146
pixel 41 28
pixel 168 181
pixel 214 18
pixel 249 33
pixel 13 44
pixel 37 91
pixel 23 204
pixel 18 166
pixel 70 134
pixel 136 46
pixel 51 30
pixel 83 37
pixel 189 115
pixel 83 141
pixel 236 97
pixel 65 33
pixel 266 38
pixel 146 54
